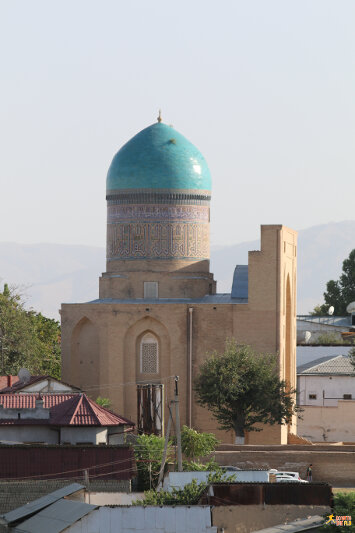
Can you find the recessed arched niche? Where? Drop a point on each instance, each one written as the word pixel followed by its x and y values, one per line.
pixel 84 360
pixel 149 354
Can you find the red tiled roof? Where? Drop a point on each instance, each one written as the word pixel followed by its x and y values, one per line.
pixel 70 409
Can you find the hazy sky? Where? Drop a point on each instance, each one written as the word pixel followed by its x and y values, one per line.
pixel 264 88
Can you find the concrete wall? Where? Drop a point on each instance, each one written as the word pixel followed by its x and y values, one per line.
pixel 331 464
pixel 112 498
pixel 329 424
pixel 247 518
pixel 38 413
pixel 318 329
pixel 49 435
pixel 181 519
pixel 328 389
pixel 28 434
pixel 74 435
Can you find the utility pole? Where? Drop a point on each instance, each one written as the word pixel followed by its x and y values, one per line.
pixel 161 473
pixel 178 434
pixel 177 417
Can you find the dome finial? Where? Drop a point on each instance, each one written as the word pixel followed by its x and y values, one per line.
pixel 159 119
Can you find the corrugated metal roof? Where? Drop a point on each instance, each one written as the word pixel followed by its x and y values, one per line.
pixel 339 364
pixel 56 518
pixel 340 321
pixel 223 298
pixel 30 508
pixel 70 409
pixel 240 282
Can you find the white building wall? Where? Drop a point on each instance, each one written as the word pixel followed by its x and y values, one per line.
pixel 328 424
pixel 48 385
pixel 334 388
pixel 113 498
pixel 92 435
pixel 116 435
pixel 317 329
pixel 180 519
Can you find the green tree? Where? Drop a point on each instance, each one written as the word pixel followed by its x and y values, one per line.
pixel 46 345
pixel 148 452
pixel 27 339
pixel 103 402
pixel 344 505
pixel 195 444
pixel 341 292
pixel 242 388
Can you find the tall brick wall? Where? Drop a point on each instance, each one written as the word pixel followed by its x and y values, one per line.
pixel 331 464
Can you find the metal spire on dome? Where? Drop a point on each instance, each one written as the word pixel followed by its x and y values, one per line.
pixel 159 119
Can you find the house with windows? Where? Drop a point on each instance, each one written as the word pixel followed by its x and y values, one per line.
pixel 54 418
pixel 326 393
pixel 24 382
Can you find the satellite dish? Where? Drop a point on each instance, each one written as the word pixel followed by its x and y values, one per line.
pixel 351 307
pixel 307 336
pixel 331 310
pixel 24 375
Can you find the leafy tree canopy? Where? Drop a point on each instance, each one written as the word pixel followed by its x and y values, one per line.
pixel 27 338
pixel 242 389
pixel 195 444
pixel 103 402
pixel 341 292
pixel 148 452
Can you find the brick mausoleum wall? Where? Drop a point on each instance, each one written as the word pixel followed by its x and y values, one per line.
pixel 331 464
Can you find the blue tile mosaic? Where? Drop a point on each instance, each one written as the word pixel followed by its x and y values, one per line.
pixel 158 157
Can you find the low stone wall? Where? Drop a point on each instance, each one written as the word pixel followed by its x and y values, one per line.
pixel 248 518
pixel 331 464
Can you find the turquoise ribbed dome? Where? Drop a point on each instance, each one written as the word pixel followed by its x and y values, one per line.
pixel 158 157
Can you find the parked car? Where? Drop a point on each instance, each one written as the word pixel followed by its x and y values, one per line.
pixel 286 477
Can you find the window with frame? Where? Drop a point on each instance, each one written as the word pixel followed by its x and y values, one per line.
pixel 150 289
pixel 149 355
pixel 347 396
pixel 312 396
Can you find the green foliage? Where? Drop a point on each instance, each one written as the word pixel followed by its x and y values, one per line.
pixel 195 444
pixel 103 402
pixel 344 505
pixel 193 466
pixel 148 451
pixel 242 388
pixel 341 292
pixel 328 338
pixel 318 311
pixel 189 495
pixel 27 339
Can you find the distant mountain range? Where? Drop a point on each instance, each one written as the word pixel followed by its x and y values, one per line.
pixel 56 273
